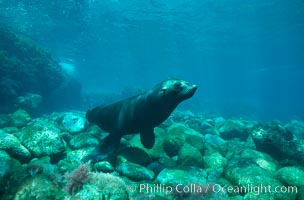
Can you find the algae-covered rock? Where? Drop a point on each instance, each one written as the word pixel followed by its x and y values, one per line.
pixel 20 118
pixel 103 166
pixel 214 161
pixel 5 164
pixel 8 167
pixel 39 187
pixel 296 128
pixel 103 186
pixel 238 197
pixel 73 122
pixel 12 145
pixel 140 196
pixel 291 176
pixel 241 171
pixel 189 156
pixel 186 135
pixel 135 172
pixel 245 174
pixel 258 193
pixel 182 131
pixel 42 138
pixel 11 130
pixel 214 139
pixel 206 126
pixel 234 129
pixel 185 176
pixel 79 155
pixel 263 160
pixel 83 140
pixel 279 142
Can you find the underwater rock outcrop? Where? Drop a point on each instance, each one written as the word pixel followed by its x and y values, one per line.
pixel 25 68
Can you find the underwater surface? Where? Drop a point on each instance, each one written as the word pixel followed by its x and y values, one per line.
pixel 241 135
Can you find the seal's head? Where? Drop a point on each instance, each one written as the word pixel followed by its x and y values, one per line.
pixel 175 90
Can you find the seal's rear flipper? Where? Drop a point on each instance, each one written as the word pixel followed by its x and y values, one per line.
pixel 105 148
pixel 147 138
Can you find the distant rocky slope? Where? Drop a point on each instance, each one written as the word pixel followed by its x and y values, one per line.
pixel 28 74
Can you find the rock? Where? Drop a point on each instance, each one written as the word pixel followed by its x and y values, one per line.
pixel 167 162
pixel 182 131
pixel 291 176
pixel 12 145
pixel 189 156
pixel 79 155
pixel 103 186
pixel 103 166
pixel 42 138
pixel 296 128
pixel 25 68
pixel 139 196
pixel 274 139
pixel 9 167
pixel 186 135
pixel 208 127
pixel 269 195
pixel 74 123
pixel 11 130
pixel 238 197
pixel 30 102
pixel 20 118
pixel 41 165
pixel 185 176
pixel 214 161
pixel 5 164
pixel 39 187
pixel 214 139
pixel 234 129
pixel 218 121
pixel 253 196
pixel 135 172
pixel 4 120
pixel 243 172
pixel 83 140
pixel 263 160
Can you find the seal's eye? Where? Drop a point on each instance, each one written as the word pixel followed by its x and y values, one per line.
pixel 163 91
pixel 177 85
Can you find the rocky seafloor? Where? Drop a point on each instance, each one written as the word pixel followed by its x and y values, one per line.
pixel 194 157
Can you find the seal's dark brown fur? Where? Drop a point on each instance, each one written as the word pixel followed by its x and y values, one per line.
pixel 138 114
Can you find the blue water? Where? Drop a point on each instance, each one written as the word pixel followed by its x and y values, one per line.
pixel 246 56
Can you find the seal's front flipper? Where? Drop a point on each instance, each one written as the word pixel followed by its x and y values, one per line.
pixel 147 138
pixel 105 148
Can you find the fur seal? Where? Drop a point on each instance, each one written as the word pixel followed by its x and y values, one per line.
pixel 138 114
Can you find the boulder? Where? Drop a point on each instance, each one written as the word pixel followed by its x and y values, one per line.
pixel 42 137
pixel 12 145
